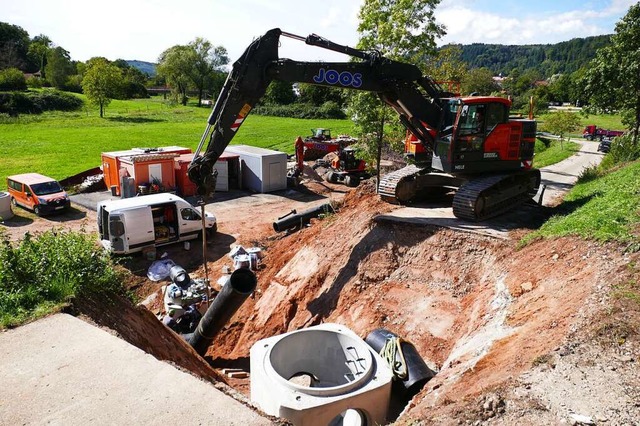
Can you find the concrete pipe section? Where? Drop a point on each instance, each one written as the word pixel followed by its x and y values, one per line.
pixel 5 206
pixel 322 375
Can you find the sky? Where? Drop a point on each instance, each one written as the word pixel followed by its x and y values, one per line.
pixel 143 29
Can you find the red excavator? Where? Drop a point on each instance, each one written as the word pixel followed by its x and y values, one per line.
pixel 345 168
pixel 464 143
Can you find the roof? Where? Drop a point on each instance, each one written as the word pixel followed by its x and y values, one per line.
pixel 139 151
pixel 30 178
pixel 143 200
pixel 252 150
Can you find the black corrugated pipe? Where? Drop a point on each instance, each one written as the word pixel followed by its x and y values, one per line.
pixel 233 294
pixel 291 221
pixel 418 373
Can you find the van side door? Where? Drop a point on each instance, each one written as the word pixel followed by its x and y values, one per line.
pixel 130 230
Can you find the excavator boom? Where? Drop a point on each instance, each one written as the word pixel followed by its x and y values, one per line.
pixel 414 97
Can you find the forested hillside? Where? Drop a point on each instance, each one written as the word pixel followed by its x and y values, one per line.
pixel 548 59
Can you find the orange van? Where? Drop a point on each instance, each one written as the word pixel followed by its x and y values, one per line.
pixel 36 192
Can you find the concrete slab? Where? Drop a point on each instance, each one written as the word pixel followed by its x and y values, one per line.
pixel 62 370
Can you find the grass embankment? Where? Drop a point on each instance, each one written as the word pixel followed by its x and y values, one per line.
pixel 64 144
pixel 603 206
pixel 552 152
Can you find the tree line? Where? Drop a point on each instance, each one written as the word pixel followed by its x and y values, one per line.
pixel 547 60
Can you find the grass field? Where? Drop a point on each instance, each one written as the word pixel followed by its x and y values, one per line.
pixel 605 121
pixel 63 144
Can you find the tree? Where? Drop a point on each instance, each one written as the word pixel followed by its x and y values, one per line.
pixel 134 80
pixel 280 93
pixel 59 67
pixel 14 44
pixel 446 65
pixel 403 30
pixel 207 60
pixel 612 83
pixel 175 66
pixel 562 122
pixel 400 29
pixel 38 49
pixel 318 95
pixel 101 83
pixel 479 80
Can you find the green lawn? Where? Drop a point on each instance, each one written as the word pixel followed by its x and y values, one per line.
pixel 63 144
pixel 604 121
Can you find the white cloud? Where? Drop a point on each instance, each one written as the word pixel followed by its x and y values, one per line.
pixel 465 25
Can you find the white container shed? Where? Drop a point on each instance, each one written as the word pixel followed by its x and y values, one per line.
pixel 263 170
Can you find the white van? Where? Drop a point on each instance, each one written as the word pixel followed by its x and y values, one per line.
pixel 131 224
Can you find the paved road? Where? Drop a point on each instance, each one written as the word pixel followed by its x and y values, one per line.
pixel 558 178
pixel 62 370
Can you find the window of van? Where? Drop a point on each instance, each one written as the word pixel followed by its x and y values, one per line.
pixel 46 188
pixel 15 185
pixel 190 214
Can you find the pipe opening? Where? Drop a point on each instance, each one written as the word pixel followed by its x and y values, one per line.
pixel 243 281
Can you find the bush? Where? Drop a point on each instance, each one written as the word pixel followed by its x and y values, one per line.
pixel 35 83
pixel 14 103
pixel 41 273
pixel 328 110
pixel 12 79
pixel 623 150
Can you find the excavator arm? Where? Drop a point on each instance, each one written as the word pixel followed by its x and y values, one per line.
pixel 416 98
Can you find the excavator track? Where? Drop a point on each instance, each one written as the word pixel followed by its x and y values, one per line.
pixel 399 186
pixel 490 196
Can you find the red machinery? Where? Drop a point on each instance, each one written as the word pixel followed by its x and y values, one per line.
pixel 465 143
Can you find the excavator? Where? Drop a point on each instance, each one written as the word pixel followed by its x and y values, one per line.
pixel 466 144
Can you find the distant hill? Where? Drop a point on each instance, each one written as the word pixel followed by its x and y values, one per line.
pixel 146 67
pixel 560 58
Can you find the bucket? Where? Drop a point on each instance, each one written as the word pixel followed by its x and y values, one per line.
pixel 257 251
pixel 254 261
pixel 242 261
pixel 178 275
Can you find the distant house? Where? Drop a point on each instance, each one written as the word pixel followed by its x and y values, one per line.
pixel 36 74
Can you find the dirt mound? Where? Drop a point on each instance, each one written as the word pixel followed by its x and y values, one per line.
pixel 516 336
pixel 480 311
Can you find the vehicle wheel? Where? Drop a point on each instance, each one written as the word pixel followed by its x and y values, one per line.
pixel 330 177
pixel 13 202
pixel 36 210
pixel 351 181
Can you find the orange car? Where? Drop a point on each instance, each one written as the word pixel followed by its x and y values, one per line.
pixel 36 192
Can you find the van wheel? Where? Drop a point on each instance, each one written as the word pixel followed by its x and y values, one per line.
pixel 13 202
pixel 36 210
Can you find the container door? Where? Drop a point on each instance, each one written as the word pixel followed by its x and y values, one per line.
pixel 276 177
pixel 155 173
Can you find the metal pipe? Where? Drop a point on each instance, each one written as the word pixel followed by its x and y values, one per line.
pixel 291 221
pixel 240 285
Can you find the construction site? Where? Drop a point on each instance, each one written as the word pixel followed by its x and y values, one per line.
pixel 343 299
pixel 510 334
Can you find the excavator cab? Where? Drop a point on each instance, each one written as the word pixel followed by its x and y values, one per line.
pixel 321 134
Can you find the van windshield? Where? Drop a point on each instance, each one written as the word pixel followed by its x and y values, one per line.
pixel 46 188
